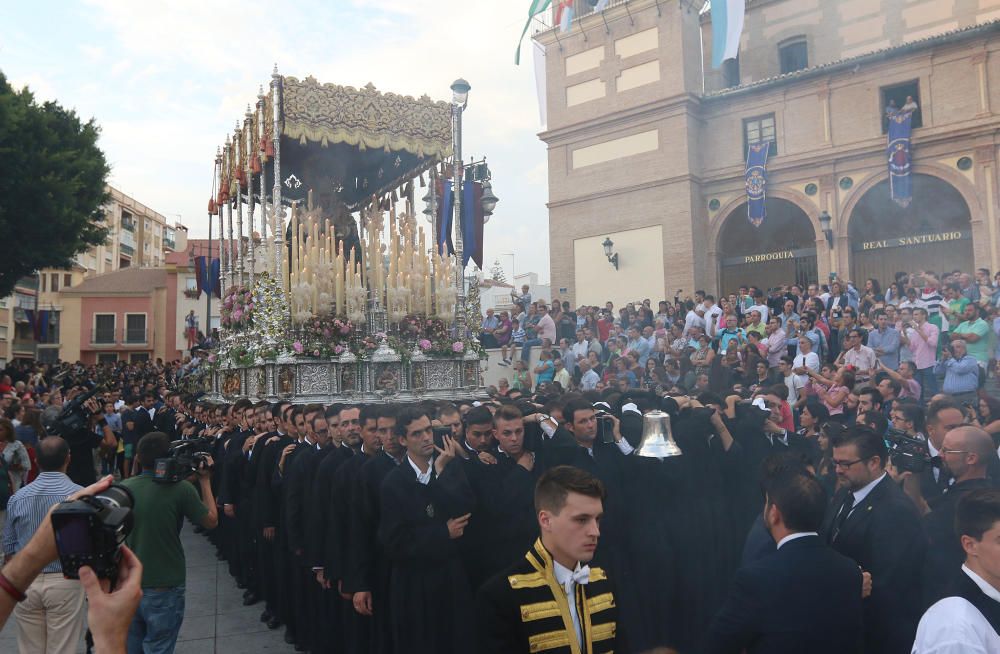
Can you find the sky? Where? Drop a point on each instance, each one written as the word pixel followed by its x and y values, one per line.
pixel 167 81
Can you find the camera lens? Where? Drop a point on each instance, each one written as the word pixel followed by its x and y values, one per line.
pixel 117 496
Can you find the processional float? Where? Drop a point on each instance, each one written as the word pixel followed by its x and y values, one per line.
pixel 330 290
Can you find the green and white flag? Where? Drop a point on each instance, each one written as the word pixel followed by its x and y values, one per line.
pixel 537 7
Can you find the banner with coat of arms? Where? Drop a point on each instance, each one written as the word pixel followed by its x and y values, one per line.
pixel 900 161
pixel 756 182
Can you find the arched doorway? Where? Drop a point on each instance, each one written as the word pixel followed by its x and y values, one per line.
pixel 781 251
pixel 933 233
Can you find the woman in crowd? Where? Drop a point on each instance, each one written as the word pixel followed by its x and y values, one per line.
pixel 521 377
pixel 989 415
pixel 14 455
pixel 701 358
pixel 826 472
pixel 832 389
pixel 761 377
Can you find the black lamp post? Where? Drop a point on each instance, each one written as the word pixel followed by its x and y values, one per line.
pixel 824 224
pixel 608 248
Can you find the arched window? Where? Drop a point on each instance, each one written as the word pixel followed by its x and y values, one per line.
pixel 793 54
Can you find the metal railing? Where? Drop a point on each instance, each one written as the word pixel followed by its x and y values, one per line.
pixel 99 336
pixel 136 336
pixel 127 249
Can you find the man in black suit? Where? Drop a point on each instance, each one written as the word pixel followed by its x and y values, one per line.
pixel 804 597
pixel 872 521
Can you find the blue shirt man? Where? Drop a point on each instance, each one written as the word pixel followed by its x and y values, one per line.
pixel 961 372
pixel 636 343
pixel 885 342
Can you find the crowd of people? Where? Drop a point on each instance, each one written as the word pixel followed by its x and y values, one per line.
pixel 837 489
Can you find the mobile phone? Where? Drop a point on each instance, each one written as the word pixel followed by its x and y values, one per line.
pixel 439 434
pixel 605 427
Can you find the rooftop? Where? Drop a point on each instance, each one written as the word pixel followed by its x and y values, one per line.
pixel 126 280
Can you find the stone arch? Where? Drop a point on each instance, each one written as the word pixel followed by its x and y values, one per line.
pixel 801 200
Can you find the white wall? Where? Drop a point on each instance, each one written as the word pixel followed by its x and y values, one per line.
pixel 640 267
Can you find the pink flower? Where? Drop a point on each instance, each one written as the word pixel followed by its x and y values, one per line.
pixel 237 314
pixel 211 358
pixel 457 346
pixel 327 333
pixel 316 353
pixel 424 344
pixel 338 349
pixel 345 330
pixel 297 346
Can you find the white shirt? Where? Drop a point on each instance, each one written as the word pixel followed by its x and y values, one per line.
pixel 860 495
pixel 692 319
pixel 423 477
pixel 762 308
pixel 588 380
pixel 954 626
pixel 580 349
pixel 712 315
pixel 791 537
pixel 564 574
pixel 794 383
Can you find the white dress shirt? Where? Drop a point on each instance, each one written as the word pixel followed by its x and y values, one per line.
pixel 860 495
pixel 954 626
pixel 564 575
pixel 423 477
pixel 791 537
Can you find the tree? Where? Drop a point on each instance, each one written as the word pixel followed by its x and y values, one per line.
pixel 52 186
pixel 496 272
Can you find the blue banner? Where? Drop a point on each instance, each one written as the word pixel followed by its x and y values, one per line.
pixel 756 182
pixel 216 284
pixel 445 205
pixel 900 162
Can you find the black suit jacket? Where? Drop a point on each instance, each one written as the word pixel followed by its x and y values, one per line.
pixel 884 536
pixel 944 552
pixel 804 598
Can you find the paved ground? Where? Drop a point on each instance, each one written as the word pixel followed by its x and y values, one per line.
pixel 215 619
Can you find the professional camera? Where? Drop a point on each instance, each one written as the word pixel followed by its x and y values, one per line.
pixel 907 454
pixel 74 417
pixel 89 531
pixel 186 458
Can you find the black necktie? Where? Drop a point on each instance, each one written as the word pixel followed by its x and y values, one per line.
pixel 845 510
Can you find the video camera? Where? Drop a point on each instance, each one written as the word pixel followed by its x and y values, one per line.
pixel 186 458
pixel 89 531
pixel 907 454
pixel 74 417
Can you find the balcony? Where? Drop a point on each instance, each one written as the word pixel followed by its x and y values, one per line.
pixel 170 244
pixel 128 225
pixel 101 336
pixel 136 337
pixel 127 250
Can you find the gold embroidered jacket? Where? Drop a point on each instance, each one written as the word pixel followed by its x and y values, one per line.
pixel 525 609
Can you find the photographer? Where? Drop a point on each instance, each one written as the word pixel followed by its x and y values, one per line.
pixel 108 613
pixel 83 443
pixel 159 508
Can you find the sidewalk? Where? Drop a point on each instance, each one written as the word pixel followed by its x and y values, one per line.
pixel 215 619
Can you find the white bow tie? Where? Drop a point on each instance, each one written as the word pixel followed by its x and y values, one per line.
pixel 581 576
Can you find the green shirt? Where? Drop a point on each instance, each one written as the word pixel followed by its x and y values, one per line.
pixel 155 539
pixel 980 350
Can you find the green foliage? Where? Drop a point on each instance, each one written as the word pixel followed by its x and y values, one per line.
pixel 52 186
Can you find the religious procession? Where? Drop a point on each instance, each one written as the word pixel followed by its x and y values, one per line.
pixel 718 374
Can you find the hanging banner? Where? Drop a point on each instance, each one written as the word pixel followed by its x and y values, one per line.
pixel 214 273
pixel 756 182
pixel 201 275
pixel 445 215
pixel 472 223
pixel 900 162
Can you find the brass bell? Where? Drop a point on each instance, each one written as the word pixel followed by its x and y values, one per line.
pixel 657 440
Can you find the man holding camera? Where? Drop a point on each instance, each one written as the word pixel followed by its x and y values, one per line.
pixel 155 539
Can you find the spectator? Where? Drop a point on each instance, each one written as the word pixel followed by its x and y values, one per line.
pixel 975 332
pixel 14 455
pixel 884 340
pixel 961 372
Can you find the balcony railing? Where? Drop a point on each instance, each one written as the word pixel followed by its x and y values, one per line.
pixel 170 243
pixel 127 249
pixel 128 225
pixel 102 336
pixel 134 336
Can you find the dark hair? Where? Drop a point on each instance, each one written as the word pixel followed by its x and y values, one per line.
pixel 569 411
pixel 935 408
pixel 800 498
pixel 555 485
pixel 977 512
pixel 817 410
pixel 877 421
pixel 505 412
pixel 154 445
pixel 369 412
pixel 52 453
pixel 479 415
pixel 874 392
pixel 407 416
pixel 864 438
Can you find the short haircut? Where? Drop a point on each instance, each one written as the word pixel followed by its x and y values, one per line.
pixel 977 512
pixel 869 443
pixel 876 420
pixel 912 412
pixel 154 445
pixel 780 391
pixel 555 485
pixel 508 412
pixel 800 498
pixel 569 411
pixel 935 408
pixel 875 393
pixel 479 415
pixel 817 410
pixel 407 416
pixel 53 452
pixel 369 412
pixel 447 409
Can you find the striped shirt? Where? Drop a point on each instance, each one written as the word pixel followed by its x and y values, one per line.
pixel 29 506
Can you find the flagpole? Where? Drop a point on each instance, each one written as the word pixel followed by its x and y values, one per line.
pixel 460 95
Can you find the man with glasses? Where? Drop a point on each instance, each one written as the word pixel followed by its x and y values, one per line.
pixel 871 521
pixel 858 355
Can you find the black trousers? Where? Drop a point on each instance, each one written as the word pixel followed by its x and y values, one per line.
pixel 246 546
pixel 266 573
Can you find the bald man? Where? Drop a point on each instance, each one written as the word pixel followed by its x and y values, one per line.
pixel 966 454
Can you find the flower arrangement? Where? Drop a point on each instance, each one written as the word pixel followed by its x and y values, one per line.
pixel 192 293
pixel 324 336
pixel 237 309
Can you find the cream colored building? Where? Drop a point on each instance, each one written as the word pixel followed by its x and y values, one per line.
pixel 647 144
pixel 138 237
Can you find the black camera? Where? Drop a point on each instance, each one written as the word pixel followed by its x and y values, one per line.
pixel 605 426
pixel 907 454
pixel 89 531
pixel 186 458
pixel 74 417
pixel 439 434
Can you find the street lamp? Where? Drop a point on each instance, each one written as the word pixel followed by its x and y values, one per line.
pixel 460 92
pixel 489 201
pixel 825 222
pixel 608 249
pixel 459 100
